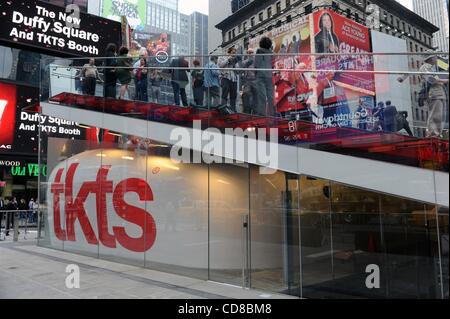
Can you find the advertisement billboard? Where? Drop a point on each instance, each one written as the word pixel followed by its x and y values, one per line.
pixel 154 45
pixel 52 28
pixel 344 99
pixel 292 89
pixel 134 10
pixel 19 128
pixel 7 116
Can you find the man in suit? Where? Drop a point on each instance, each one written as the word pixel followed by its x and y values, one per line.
pixel 180 79
pixel 390 118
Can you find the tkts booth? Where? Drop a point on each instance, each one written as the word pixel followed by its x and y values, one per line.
pixel 33 32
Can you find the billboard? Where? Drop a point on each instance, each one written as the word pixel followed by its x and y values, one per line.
pixel 52 28
pixel 316 90
pixel 344 99
pixel 157 46
pixel 7 116
pixel 134 10
pixel 292 89
pixel 19 128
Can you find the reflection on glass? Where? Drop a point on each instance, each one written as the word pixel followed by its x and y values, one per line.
pixel 274 220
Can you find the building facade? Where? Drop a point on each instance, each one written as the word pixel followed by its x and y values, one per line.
pixel 198 30
pixel 252 18
pixel 435 11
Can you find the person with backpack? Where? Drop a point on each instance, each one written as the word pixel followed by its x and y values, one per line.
pixel 197 84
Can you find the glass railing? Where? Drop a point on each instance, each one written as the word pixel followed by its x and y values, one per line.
pixel 386 107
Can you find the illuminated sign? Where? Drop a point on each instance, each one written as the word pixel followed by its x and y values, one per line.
pixel 105 184
pixel 19 129
pixel 2 184
pixel 29 170
pixel 49 27
pixel 10 163
pixel 134 10
pixel 2 107
pixel 7 115
pixel 157 45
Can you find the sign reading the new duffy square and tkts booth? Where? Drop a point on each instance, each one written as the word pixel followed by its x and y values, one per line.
pixel 52 28
pixel 19 127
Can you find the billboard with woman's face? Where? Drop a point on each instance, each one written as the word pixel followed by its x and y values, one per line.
pixel 346 42
pixel 317 87
pixel 341 45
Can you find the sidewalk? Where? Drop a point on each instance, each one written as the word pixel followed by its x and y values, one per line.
pixel 28 271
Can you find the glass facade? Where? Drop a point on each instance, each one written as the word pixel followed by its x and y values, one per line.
pixel 347 211
pixel 297 235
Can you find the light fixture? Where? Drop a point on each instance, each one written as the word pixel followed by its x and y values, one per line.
pixel 128 158
pixel 115 134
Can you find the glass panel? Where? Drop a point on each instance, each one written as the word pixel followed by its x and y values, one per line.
pixel 180 212
pixel 78 172
pixel 356 241
pixel 316 243
pixel 311 102
pixel 121 204
pixel 275 262
pixel 228 205
pixel 411 265
pixel 443 233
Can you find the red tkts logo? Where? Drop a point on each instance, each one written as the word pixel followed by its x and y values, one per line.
pixel 75 210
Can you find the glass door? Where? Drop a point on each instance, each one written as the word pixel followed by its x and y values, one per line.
pixel 274 229
pixel 229 224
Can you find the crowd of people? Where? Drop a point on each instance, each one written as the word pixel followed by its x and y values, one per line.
pixel 27 211
pixel 213 85
pixel 218 83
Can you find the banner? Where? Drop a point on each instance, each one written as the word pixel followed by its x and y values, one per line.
pixel 157 46
pixel 52 28
pixel 292 89
pixel 134 10
pixel 342 96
